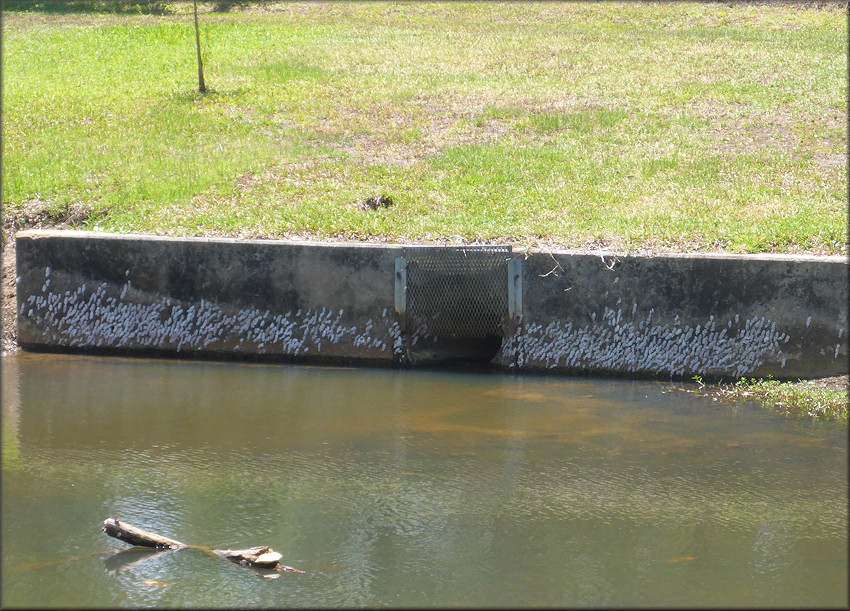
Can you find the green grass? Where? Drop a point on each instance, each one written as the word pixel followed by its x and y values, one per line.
pixel 681 126
pixel 791 399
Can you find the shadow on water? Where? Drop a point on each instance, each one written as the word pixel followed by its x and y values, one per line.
pixel 133 557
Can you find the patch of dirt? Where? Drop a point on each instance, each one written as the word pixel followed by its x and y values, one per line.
pixel 35 214
pixel 447 123
pixel 834 383
pixel 9 342
pixel 835 160
pixel 779 131
pixel 38 214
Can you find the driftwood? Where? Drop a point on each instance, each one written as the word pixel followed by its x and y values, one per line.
pixel 259 557
pixel 136 536
pixel 262 556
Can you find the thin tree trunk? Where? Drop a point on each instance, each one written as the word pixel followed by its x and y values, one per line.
pixel 201 85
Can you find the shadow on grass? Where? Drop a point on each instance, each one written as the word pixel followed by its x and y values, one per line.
pixel 149 7
pixel 87 6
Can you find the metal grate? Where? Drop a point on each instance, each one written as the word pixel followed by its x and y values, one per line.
pixel 457 292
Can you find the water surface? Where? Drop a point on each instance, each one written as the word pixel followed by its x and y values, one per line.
pixel 409 488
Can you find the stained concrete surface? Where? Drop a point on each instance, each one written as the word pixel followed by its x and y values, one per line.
pixel 719 316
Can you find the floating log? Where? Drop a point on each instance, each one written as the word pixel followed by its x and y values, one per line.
pixel 262 556
pixel 136 536
pixel 259 557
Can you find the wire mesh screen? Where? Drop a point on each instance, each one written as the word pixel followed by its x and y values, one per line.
pixel 457 292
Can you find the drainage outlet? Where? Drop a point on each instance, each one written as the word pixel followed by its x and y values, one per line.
pixel 452 302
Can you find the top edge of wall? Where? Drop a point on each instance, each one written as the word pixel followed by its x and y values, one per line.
pixel 517 251
pixel 36 234
pixel 609 256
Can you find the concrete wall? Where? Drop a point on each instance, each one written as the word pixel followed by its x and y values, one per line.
pixel 684 315
pixel 679 316
pixel 211 297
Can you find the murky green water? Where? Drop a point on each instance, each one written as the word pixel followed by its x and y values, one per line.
pixel 409 488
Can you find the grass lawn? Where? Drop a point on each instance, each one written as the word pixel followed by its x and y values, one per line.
pixel 633 127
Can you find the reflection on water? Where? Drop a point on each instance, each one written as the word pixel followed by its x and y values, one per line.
pixel 409 488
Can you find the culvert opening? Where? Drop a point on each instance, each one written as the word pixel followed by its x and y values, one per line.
pixel 453 302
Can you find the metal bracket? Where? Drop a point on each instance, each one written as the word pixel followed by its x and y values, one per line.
pixel 401 291
pixel 513 327
pixel 515 288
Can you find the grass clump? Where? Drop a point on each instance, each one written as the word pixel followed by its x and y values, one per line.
pixel 789 398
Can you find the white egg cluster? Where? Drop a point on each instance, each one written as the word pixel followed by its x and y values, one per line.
pixel 611 344
pixel 122 316
pixel 91 317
